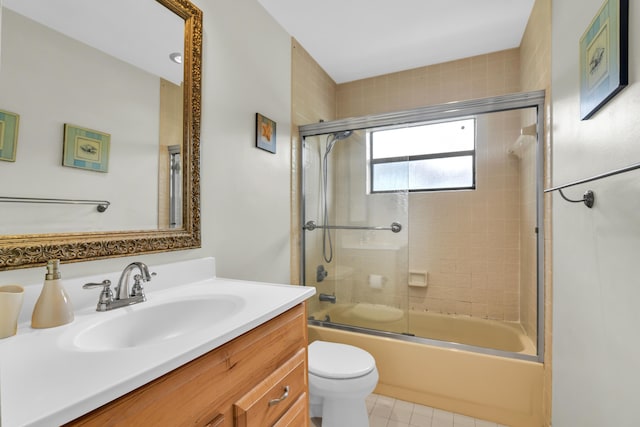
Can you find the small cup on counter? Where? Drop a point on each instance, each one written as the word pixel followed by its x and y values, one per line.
pixel 11 297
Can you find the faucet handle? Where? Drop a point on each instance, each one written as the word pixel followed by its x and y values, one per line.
pixel 106 296
pixel 137 289
pixel 105 284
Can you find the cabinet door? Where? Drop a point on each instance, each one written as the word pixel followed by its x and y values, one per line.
pixel 270 399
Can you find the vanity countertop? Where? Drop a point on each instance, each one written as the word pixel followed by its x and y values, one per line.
pixel 47 378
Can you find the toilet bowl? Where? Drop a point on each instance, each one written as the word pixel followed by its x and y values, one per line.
pixel 341 376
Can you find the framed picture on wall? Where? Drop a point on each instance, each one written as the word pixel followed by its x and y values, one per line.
pixel 9 123
pixel 86 148
pixel 265 133
pixel 604 61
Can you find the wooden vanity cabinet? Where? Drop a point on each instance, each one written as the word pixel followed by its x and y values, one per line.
pixel 239 384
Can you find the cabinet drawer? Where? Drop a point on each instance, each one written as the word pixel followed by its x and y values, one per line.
pixel 270 399
pixel 297 415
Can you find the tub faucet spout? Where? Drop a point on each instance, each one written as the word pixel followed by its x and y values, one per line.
pixel 327 298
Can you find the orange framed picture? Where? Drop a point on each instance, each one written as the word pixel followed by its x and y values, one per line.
pixel 265 133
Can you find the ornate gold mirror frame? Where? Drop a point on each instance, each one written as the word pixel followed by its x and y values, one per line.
pixel 28 250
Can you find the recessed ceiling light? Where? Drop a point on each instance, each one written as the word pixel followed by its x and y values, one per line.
pixel 176 57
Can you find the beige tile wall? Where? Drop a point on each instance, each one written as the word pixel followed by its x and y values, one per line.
pixel 468 241
pixel 471 256
pixel 476 77
pixel 535 53
pixel 527 68
pixel 313 91
pixel 475 262
pixel 313 98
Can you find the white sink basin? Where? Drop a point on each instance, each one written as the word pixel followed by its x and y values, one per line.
pixel 188 313
pixel 148 323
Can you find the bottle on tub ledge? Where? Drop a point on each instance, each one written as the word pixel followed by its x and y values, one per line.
pixel 53 307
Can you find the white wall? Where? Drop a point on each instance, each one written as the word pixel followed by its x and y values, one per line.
pixel 245 190
pixel 49 79
pixel 596 285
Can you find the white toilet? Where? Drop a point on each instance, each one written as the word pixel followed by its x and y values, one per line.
pixel 340 378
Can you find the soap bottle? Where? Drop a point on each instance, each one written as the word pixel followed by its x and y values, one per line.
pixel 53 307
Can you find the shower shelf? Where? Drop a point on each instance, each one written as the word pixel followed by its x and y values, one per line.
pixel 589 197
pixel 396 227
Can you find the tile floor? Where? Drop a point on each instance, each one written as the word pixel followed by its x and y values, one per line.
pixel 389 412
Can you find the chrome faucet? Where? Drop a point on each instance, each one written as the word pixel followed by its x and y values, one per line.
pixel 122 290
pixel 107 300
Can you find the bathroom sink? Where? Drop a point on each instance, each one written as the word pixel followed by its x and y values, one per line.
pixel 149 323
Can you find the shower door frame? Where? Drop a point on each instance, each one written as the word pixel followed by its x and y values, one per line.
pixel 450 110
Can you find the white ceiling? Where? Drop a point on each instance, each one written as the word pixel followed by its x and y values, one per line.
pixel 356 39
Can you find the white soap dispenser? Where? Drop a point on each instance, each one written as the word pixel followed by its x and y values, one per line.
pixel 53 307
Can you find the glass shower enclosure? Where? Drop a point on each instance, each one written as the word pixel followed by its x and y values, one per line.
pixel 426 225
pixel 356 250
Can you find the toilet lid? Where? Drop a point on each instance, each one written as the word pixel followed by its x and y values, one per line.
pixel 339 361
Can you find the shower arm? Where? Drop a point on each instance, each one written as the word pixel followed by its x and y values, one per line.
pixel 396 227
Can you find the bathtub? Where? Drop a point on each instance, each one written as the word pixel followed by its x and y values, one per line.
pixel 501 389
pixel 466 330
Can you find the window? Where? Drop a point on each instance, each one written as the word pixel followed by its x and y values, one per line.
pixel 426 157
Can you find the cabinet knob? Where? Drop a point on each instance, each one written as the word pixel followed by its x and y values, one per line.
pixel 281 398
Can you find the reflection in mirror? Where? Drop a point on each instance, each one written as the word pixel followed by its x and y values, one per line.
pixel 118 71
pixel 169 156
pixel 59 69
pixel 175 187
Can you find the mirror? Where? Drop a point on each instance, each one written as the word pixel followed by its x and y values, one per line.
pixel 151 115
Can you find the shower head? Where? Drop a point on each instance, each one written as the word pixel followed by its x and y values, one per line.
pixel 344 134
pixel 336 136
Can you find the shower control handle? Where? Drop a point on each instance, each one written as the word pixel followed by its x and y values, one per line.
pixel 321 273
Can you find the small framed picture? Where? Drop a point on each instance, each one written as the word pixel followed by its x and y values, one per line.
pixel 86 148
pixel 9 123
pixel 265 133
pixel 604 61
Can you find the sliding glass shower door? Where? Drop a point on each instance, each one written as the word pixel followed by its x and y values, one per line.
pixel 428 223
pixel 355 239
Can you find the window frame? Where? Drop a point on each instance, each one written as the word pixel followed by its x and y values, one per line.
pixel 449 154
